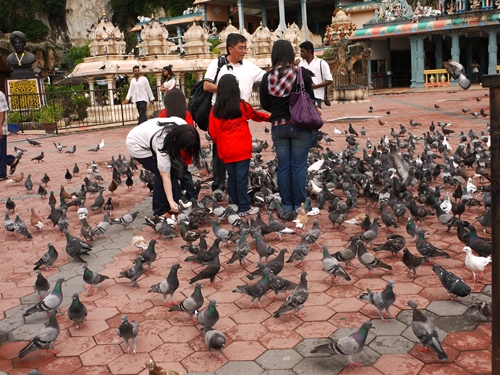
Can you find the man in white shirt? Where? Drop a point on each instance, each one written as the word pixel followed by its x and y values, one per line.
pixel 141 94
pixel 247 74
pixel 321 77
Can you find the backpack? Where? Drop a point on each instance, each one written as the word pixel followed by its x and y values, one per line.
pixel 200 101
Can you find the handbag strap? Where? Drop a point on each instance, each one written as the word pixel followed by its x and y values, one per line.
pixel 300 80
pixel 163 125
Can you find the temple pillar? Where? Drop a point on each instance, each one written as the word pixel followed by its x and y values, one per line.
pixel 182 80
pixel 438 42
pixel 369 67
pixel 417 58
pixel 388 68
pixel 179 35
pixel 110 80
pixel 303 11
pixel 158 85
pixel 263 9
pixel 492 51
pixel 91 89
pixel 282 25
pixel 455 52
pixel 241 16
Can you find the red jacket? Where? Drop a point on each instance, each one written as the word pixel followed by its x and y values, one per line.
pixel 189 120
pixel 233 137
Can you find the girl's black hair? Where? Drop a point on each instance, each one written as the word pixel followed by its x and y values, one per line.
pixel 169 71
pixel 227 102
pixel 175 103
pixel 282 54
pixel 182 137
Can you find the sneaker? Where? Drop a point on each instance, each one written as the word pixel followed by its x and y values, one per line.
pixel 251 211
pixel 13 166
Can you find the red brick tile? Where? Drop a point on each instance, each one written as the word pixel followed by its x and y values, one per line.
pixel 348 320
pixel 101 355
pixel 74 346
pixel 250 316
pixel 347 291
pixel 169 351
pixel 346 304
pixel 180 334
pixel 287 322
pixel 398 364
pixel 61 366
pixel 202 362
pixel 368 370
pixel 92 370
pixel 128 364
pixel 243 350
pixel 476 362
pixel 431 357
pixel 92 329
pixel 316 313
pixel 466 341
pixel 280 339
pixel 246 332
pixel 442 369
pixel 315 329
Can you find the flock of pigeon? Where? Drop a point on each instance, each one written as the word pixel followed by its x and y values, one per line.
pixel 403 180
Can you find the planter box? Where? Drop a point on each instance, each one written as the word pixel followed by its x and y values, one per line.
pixel 49 127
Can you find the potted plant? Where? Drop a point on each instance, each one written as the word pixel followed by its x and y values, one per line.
pixel 48 115
pixel 13 120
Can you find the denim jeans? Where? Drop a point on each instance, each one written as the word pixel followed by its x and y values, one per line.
pixel 292 145
pixel 160 203
pixel 218 169
pixel 186 184
pixel 237 184
pixel 3 156
pixel 141 108
pixel 314 139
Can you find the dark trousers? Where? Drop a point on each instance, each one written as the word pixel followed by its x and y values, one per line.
pixel 218 169
pixel 314 140
pixel 3 156
pixel 237 184
pixel 160 203
pixel 141 108
pixel 186 184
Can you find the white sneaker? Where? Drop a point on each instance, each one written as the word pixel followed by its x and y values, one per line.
pixel 251 211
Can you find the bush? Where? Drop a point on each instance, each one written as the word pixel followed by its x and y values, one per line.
pixel 76 54
pixel 14 117
pixel 35 30
pixel 49 113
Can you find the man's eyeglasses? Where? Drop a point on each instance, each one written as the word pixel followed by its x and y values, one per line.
pixel 241 48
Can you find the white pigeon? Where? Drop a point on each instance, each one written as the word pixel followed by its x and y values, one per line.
pixel 446 204
pixel 471 188
pixel 316 166
pixel 101 145
pixel 316 189
pixel 474 263
pixel 446 143
pixel 336 131
pixel 138 240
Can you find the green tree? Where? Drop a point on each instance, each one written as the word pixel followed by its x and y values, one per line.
pixel 76 54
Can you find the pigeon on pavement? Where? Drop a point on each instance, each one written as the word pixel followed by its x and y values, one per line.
pixel 394 244
pixel 50 302
pixel 428 250
pixel 42 285
pixel 208 317
pixel 125 220
pixel 92 278
pixel 412 262
pixel 295 300
pixel 381 300
pixel 48 258
pixel 168 286
pixel 300 251
pixel 128 330
pixel 77 312
pixel 474 263
pixel 275 265
pixel 256 290
pixel 214 340
pixel 454 285
pixel 210 271
pixel 241 250
pixel 45 339
pixel 134 272
pixel 192 303
pixel 332 266
pixel 368 260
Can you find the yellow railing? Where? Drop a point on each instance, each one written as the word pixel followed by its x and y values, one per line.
pixel 436 77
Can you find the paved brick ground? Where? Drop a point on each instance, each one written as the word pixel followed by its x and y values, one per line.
pixel 257 343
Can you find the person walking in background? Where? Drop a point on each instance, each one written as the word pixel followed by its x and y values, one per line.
pixel 247 74
pixel 175 98
pixel 4 108
pixel 475 71
pixel 167 80
pixel 155 142
pixel 290 141
pixel 140 93
pixel 229 129
pixel 321 76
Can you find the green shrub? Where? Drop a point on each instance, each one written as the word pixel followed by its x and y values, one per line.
pixel 34 30
pixel 49 113
pixel 14 117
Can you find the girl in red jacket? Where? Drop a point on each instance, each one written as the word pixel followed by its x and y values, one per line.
pixel 228 127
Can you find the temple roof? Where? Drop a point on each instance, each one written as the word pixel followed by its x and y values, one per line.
pixel 429 25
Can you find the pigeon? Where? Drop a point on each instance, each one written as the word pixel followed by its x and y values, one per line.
pixel 300 251
pixel 485 309
pixel 394 244
pixel 125 220
pixel 45 339
pixel 50 302
pixel 414 230
pixel 210 271
pixel 474 263
pixel 214 340
pixel 347 254
pixel 42 192
pixel 42 285
pixel 192 303
pixel 263 249
pixel 352 131
pixel 457 71
pixel 368 260
pixel 278 284
pixel 102 227
pixel 256 290
pixel 38 158
pixel 478 244
pixel 208 317
pixel 332 266
pixel 76 247
pixel 33 142
pixel 454 285
pixel 77 312
pixel 92 278
pixel 149 255
pixel 388 217
pixel 313 234
pixel 94 149
pixel 71 151
pixel 241 250
pixel 295 300
pixel 412 262
pixel 98 202
pixel 45 179
pixel 138 240
pixel 154 369
pixel 48 258
pixel 86 230
pixel 168 286
pixel 28 184
pixel 371 234
pixel 220 232
pixel 347 346
pixel 381 300
pixel 135 272
pixel 428 250
pixel 276 226
pixel 275 265
pixel 10 205
pixel 21 228
pixel 424 329
pixel 128 330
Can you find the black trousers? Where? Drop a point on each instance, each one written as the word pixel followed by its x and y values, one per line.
pixel 141 108
pixel 219 169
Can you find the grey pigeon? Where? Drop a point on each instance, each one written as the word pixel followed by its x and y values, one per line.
pixel 414 230
pixel 332 266
pixel 263 249
pixel 192 303
pixel 210 271
pixel 256 290
pixel 388 217
pixel 424 329
pixel 279 284
pixel 167 286
pixel 76 247
pixel 8 224
pixel 135 272
pixel 86 230
pixel 125 220
pixel 347 254
pixel 28 184
pixel 221 233
pixel 313 234
pixel 48 258
pixel 381 300
pixel 77 312
pixel 275 225
pixel 428 250
pixel 21 228
pixel 214 340
pixel 371 234
pixel 412 262
pixel 102 227
pixel 295 300
pixel 394 244
pixel 128 330
pixel 149 255
pixel 50 302
pixel 347 346
pixel 45 339
pixel 368 260
pixel 241 250
pixel 300 251
pixel 454 285
pixel 42 285
pixel 165 229
pixel 275 265
pixel 92 278
pixel 208 317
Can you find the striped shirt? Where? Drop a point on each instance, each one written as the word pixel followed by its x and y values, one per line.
pixel 4 107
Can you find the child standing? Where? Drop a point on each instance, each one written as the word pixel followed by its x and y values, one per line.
pixel 228 127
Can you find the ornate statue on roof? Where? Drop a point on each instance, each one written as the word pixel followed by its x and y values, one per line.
pixel 106 38
pixel 341 28
pixel 154 39
pixel 392 10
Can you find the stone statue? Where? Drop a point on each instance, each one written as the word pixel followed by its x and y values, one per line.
pixel 20 60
